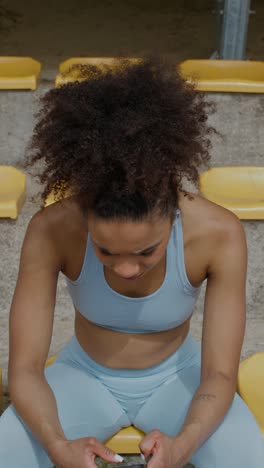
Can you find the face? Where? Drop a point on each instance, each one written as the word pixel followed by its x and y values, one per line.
pixel 130 249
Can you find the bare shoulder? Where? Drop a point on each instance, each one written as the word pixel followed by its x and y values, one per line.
pixel 209 219
pixel 58 220
pixel 214 230
pixel 53 229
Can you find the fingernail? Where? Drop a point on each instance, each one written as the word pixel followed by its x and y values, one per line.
pixel 118 458
pixel 142 456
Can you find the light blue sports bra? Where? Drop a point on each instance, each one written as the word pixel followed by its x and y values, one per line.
pixel 166 308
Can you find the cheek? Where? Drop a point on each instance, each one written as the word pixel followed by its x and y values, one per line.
pixel 102 258
pixel 153 260
pixel 105 260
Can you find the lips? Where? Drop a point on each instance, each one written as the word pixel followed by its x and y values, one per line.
pixel 131 278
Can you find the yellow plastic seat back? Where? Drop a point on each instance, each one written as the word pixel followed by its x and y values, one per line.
pixel 50 199
pixel 239 189
pixel 127 440
pixel 19 73
pixel 251 385
pixel 12 191
pixel 68 72
pixel 232 76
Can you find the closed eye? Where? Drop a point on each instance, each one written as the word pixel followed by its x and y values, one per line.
pixel 104 252
pixel 143 254
pixel 148 253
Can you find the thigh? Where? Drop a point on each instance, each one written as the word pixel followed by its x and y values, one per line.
pixel 167 407
pixel 236 442
pixel 86 408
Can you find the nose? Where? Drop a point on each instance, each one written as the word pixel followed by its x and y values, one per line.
pixel 127 269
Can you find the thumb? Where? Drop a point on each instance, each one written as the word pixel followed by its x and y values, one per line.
pixel 106 453
pixel 148 443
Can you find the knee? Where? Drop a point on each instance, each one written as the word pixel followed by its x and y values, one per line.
pixel 230 451
pixel 18 448
pixel 236 442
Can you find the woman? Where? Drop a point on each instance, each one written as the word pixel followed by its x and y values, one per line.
pixel 135 249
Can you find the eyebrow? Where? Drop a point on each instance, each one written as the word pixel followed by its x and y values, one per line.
pixel 138 252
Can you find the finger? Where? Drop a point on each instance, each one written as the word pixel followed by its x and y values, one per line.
pixel 155 460
pixel 148 443
pixel 146 459
pixel 104 452
pixel 89 459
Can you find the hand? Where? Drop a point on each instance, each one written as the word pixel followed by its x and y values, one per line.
pixel 167 452
pixel 80 453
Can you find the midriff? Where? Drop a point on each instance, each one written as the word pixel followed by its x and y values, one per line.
pixel 119 350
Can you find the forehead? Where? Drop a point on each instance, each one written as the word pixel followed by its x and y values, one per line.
pixel 128 235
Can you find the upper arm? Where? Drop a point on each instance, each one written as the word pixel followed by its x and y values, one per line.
pixel 225 304
pixel 32 309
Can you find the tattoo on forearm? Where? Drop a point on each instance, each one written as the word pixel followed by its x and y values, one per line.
pixel 205 397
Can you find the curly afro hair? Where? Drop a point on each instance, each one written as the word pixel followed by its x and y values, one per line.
pixel 121 138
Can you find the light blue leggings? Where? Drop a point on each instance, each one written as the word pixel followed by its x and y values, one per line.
pixel 94 400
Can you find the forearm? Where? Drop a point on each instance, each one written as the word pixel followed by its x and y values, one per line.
pixel 34 401
pixel 210 403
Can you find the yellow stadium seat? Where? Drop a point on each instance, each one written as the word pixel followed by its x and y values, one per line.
pixel 67 73
pixel 235 76
pixel 251 385
pixel 19 73
pixel 12 191
pixel 126 440
pixel 50 360
pixel 50 199
pixel 239 189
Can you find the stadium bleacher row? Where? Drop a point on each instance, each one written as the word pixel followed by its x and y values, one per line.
pixel 210 75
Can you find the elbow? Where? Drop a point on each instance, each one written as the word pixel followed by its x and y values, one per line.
pixel 224 378
pixel 19 379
